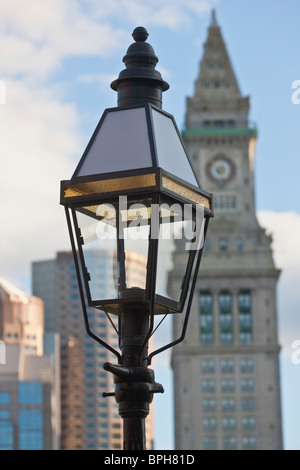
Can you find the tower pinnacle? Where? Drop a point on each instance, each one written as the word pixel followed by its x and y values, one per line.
pixel 213 23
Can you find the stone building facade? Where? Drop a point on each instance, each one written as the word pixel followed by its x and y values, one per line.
pixel 226 373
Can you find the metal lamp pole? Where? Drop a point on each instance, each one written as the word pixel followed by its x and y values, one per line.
pixel 139 83
pixel 137 128
pixel 134 381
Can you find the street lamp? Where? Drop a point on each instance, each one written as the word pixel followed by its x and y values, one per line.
pixel 132 190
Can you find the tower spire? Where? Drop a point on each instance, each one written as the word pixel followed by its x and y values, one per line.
pixel 213 22
pixel 216 79
pixel 217 90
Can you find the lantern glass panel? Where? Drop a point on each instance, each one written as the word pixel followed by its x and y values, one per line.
pixel 114 246
pixel 122 140
pixel 179 242
pixel 171 154
pixel 99 252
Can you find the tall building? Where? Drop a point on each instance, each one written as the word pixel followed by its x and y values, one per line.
pixel 88 420
pixel 29 384
pixel 226 373
pixel 21 318
pixel 28 410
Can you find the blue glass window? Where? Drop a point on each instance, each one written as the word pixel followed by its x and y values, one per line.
pixel 6 435
pixel 30 392
pixel 91 446
pixel 30 429
pixel 4 398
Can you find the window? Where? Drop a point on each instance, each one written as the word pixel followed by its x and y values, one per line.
pixel 249 442
pixel 248 423
pixel 229 423
pixel 247 385
pixel 227 366
pixel 210 443
pixel 222 244
pixel 228 404
pixel 229 443
pixel 207 366
pixel 30 429
pixel 208 404
pixel 246 366
pixel 239 244
pixel 208 386
pixel 245 320
pixel 89 425
pixel 209 424
pixel 225 201
pixel 206 317
pixel 227 386
pixel 225 317
pixel 6 434
pixel 4 398
pixel 91 446
pixel 248 404
pixel 30 392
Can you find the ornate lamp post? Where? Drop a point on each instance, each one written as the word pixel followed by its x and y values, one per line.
pixel 133 188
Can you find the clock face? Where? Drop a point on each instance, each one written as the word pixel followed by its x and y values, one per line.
pixel 220 169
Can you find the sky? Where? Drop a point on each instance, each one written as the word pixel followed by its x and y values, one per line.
pixel 57 60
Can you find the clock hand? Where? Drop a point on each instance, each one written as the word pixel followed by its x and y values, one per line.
pixel 220 170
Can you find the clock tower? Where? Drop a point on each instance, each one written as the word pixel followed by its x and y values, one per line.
pixel 226 372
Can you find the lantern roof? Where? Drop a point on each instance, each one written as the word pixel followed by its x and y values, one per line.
pixel 135 138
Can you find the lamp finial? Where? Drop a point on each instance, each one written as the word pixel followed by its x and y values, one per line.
pixel 140 83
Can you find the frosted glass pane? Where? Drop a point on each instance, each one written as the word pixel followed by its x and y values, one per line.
pixel 122 143
pixel 170 152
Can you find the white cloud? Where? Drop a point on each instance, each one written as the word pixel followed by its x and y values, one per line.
pixel 39 138
pixel 285 228
pixel 39 132
pixel 36 36
pixel 169 13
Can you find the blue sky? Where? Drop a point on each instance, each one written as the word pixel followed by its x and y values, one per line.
pixel 57 59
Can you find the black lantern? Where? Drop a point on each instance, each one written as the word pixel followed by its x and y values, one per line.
pixel 133 195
